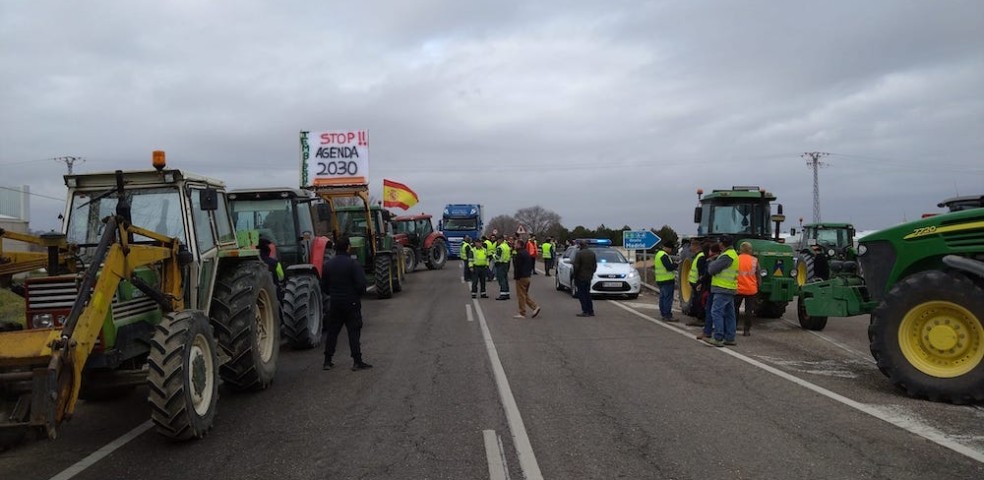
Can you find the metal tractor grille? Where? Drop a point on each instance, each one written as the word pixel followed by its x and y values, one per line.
pixel 53 293
pixel 877 265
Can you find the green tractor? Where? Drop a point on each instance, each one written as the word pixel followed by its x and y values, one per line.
pixel 922 282
pixel 825 252
pixel 745 214
pixel 286 216
pixel 349 213
pixel 159 294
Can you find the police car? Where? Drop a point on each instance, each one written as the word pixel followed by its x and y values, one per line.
pixel 615 274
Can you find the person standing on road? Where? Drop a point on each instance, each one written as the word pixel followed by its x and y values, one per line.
pixel 480 267
pixel 748 285
pixel 502 256
pixel 585 263
pixel 465 254
pixel 522 271
pixel 547 250
pixel 698 265
pixel 724 285
pixel 266 248
pixel 712 250
pixel 664 266
pixel 489 245
pixel 531 248
pixel 344 283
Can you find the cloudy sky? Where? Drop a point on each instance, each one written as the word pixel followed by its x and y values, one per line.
pixel 606 112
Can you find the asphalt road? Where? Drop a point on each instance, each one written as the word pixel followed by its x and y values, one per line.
pixel 620 395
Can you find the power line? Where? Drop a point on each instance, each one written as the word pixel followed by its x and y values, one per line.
pixel 814 162
pixel 32 194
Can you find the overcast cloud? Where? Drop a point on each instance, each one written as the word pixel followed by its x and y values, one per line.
pixel 606 112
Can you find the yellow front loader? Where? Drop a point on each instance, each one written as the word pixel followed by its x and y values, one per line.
pixel 42 368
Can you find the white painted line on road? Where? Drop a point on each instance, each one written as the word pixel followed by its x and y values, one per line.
pixel 100 454
pixel 524 450
pixel 862 355
pixel 893 418
pixel 468 313
pixel 495 455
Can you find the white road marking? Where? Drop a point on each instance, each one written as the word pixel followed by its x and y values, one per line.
pixel 468 313
pixel 495 455
pixel 527 460
pixel 879 412
pixel 842 346
pixel 98 455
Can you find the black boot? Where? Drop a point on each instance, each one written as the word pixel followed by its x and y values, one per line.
pixel 328 365
pixel 360 365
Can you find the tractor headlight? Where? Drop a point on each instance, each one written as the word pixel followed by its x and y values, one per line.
pixel 763 273
pixel 42 320
pixel 831 252
pixel 862 250
pixel 793 272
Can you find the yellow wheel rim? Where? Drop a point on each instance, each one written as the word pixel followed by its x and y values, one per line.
pixel 801 273
pixel 685 290
pixel 942 339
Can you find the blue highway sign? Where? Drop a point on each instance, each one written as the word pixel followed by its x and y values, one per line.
pixel 639 239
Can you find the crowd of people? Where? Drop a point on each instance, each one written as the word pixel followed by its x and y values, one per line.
pixel 490 258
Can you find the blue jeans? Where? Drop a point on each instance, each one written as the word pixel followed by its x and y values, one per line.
pixel 708 320
pixel 723 315
pixel 584 295
pixel 666 299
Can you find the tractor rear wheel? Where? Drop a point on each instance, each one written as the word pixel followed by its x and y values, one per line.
pixel 183 375
pixel 383 275
pixel 437 255
pixel 927 336
pixel 246 314
pixel 302 312
pixel 804 268
pixel 807 321
pixel 409 259
pixel 768 309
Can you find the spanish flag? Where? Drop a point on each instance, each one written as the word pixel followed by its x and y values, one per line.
pixel 398 195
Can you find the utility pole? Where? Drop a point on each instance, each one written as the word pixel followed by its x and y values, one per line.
pixel 69 161
pixel 813 160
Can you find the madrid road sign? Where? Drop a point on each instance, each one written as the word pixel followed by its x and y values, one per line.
pixel 639 239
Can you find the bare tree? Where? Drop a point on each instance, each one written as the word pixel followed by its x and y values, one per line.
pixel 505 224
pixel 537 219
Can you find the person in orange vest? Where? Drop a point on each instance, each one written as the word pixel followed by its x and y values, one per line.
pixel 749 280
pixel 531 247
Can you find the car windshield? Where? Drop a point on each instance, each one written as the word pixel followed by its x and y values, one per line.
pixel 155 209
pixel 833 237
pixel 738 218
pixel 609 255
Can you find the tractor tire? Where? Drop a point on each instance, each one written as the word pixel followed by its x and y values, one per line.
pixel 437 255
pixel 927 337
pixel 301 311
pixel 246 314
pixel 804 268
pixel 686 292
pixel 183 375
pixel 383 276
pixel 768 309
pixel 807 321
pixel 409 259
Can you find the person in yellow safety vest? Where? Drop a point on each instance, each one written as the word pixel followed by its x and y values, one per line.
pixel 489 247
pixel 266 248
pixel 502 255
pixel 749 280
pixel 724 285
pixel 465 256
pixel 480 264
pixel 547 250
pixel 664 266
pixel 698 267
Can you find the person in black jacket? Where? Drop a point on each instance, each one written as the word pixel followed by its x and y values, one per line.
pixel 344 282
pixel 524 265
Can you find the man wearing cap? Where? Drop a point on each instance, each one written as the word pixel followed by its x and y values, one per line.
pixel 724 285
pixel 664 266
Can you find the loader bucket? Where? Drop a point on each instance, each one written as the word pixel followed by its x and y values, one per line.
pixel 30 389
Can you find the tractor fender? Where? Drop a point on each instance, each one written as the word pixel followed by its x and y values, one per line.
pixel 964 264
pixel 319 246
pixel 302 269
pixel 430 239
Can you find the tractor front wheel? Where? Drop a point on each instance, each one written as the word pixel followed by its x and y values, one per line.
pixel 383 275
pixel 246 315
pixel 302 312
pixel 409 259
pixel 927 336
pixel 183 375
pixel 807 321
pixel 437 255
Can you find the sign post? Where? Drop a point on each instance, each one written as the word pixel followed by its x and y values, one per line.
pixel 640 240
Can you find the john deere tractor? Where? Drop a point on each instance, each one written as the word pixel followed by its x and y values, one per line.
pixel 745 214
pixel 923 285
pixel 825 252
pixel 285 217
pixel 163 296
pixel 368 227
